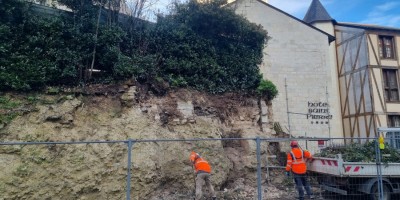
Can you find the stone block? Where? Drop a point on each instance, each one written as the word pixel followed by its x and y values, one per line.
pixel 186 108
pixel 264 119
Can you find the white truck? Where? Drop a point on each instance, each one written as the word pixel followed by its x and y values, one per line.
pixel 336 175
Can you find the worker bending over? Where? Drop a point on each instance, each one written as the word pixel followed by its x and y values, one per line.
pixel 203 171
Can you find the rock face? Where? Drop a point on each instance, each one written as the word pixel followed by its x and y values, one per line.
pixel 160 170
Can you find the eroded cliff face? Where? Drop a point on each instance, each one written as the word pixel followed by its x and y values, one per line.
pixel 160 170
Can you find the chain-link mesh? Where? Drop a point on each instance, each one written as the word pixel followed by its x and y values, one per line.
pixel 242 168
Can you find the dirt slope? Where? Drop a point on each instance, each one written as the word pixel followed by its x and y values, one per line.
pixel 160 170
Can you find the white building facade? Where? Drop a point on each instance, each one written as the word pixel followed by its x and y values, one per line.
pixel 298 61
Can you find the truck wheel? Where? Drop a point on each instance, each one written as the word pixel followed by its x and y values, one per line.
pixel 375 192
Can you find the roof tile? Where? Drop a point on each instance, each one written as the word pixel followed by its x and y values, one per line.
pixel 316 12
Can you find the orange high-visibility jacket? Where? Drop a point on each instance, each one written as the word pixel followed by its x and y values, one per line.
pixel 202 165
pixel 296 160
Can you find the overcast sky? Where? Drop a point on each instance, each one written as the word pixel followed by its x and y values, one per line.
pixel 380 12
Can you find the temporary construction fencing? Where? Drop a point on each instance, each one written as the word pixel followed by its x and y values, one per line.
pixel 243 168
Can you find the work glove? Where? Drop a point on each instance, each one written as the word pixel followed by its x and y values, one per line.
pixel 287 174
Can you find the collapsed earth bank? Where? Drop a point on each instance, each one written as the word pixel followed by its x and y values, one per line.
pixel 160 170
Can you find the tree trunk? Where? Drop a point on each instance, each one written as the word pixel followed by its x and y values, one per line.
pixel 95 42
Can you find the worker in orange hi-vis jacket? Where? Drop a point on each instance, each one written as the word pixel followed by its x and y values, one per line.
pixel 203 171
pixel 297 164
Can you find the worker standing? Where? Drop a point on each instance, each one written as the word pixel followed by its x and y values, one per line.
pixel 296 162
pixel 203 170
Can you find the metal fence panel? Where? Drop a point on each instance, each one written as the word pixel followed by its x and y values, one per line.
pixel 35 171
pixel 243 168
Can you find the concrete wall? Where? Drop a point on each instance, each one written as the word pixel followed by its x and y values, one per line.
pixel 299 54
pixel 329 28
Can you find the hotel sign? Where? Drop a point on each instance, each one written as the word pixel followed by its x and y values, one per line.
pixel 318 112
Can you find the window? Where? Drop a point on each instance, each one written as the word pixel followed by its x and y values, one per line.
pixel 393 137
pixel 386 47
pixel 390 84
pixel 393 121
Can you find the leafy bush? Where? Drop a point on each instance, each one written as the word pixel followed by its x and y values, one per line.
pixel 205 46
pixel 142 68
pixel 35 53
pixel 209 47
pixel 267 89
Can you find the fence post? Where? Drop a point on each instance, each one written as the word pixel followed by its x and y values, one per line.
pixel 128 177
pixel 379 167
pixel 258 169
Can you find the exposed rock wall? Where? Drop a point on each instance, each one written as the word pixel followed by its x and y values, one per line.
pixel 160 170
